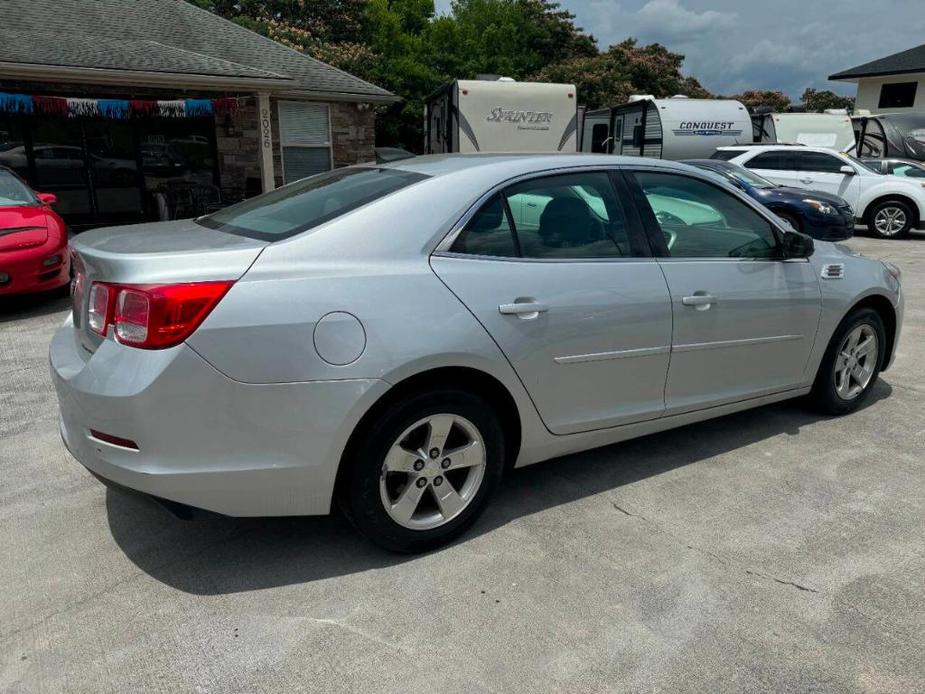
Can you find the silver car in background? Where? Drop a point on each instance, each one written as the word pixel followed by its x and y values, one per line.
pixel 393 338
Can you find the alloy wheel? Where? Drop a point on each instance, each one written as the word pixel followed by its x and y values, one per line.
pixel 432 472
pixel 856 362
pixel 890 220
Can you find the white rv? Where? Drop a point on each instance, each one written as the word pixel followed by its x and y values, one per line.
pixel 502 115
pixel 675 128
pixel 831 130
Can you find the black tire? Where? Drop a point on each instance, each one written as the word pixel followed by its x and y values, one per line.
pixel 791 219
pixel 824 394
pixel 875 209
pixel 359 490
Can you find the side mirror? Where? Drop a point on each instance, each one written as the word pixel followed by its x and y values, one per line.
pixel 848 170
pixel 797 245
pixel 47 198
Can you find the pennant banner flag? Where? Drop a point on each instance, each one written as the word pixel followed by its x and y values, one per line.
pixel 116 109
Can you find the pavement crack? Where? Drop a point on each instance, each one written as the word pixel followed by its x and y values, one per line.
pixel 725 561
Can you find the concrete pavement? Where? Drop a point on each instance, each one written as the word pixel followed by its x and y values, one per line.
pixel 769 550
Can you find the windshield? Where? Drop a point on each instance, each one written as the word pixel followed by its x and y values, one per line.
pixel 743 175
pixel 13 192
pixel 307 203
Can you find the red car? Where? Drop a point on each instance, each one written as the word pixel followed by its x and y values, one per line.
pixel 33 239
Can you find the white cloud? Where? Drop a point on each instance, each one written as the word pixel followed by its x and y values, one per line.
pixel 670 19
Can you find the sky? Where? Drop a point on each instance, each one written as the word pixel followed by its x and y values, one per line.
pixel 759 44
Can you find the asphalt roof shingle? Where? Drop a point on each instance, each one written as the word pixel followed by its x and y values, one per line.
pixel 170 36
pixel 912 60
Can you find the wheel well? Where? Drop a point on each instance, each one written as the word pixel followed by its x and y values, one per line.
pixel 887 313
pixel 464 378
pixel 896 198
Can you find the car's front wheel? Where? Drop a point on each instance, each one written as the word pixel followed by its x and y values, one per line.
pixel 423 472
pixel 851 364
pixel 890 219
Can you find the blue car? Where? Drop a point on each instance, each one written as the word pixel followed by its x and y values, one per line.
pixel 821 215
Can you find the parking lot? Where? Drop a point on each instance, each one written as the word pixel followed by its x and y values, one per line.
pixel 769 550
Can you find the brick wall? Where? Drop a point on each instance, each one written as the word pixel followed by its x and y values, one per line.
pixel 353 131
pixel 237 140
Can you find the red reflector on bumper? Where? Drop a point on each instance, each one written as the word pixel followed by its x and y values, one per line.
pixel 114 440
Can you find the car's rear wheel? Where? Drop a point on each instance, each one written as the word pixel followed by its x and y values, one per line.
pixel 851 364
pixel 423 472
pixel 890 219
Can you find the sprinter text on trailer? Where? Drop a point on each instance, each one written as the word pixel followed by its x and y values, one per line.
pixel 502 115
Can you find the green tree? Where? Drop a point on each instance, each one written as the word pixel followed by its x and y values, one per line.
pixel 609 78
pixel 820 100
pixel 756 98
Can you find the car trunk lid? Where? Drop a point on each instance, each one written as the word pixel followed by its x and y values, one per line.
pixel 156 253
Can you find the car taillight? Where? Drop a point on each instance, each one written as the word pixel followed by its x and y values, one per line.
pixel 154 316
pixel 98 309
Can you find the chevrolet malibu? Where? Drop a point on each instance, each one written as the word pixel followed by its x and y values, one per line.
pixel 392 338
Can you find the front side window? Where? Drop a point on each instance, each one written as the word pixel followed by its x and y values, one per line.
pixel 309 202
pixel 816 162
pixel 13 192
pixel 700 220
pixel 564 216
pixel 773 161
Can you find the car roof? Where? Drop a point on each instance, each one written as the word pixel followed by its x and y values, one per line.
pixel 514 164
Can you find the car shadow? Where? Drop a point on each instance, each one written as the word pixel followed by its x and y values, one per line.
pixel 13 308
pixel 221 555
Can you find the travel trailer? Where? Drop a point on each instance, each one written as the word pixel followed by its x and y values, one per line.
pixel 501 115
pixel 831 130
pixel 675 128
pixel 891 135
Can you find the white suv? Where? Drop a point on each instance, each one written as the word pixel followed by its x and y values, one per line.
pixel 889 205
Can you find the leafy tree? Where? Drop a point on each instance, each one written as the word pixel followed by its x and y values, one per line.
pixel 611 77
pixel 756 98
pixel 820 100
pixel 402 46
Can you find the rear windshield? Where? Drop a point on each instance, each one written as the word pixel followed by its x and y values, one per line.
pixel 725 154
pixel 304 204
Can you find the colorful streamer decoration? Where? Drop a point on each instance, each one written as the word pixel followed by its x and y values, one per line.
pixel 115 109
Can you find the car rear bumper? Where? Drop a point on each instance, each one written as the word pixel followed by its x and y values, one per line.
pixel 202 439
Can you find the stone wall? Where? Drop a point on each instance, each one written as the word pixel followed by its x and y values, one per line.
pixel 353 131
pixel 237 140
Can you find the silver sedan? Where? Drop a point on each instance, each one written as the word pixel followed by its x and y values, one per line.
pixel 393 338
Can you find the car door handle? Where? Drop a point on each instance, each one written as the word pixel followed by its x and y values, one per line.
pixel 699 301
pixel 806 180
pixel 523 309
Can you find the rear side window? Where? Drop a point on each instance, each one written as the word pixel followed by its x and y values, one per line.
pixel 816 161
pixel 308 203
pixel 725 154
pixel 775 161
pixel 489 232
pixel 565 216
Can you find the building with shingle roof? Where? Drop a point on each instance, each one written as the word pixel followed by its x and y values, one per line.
pixel 131 110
